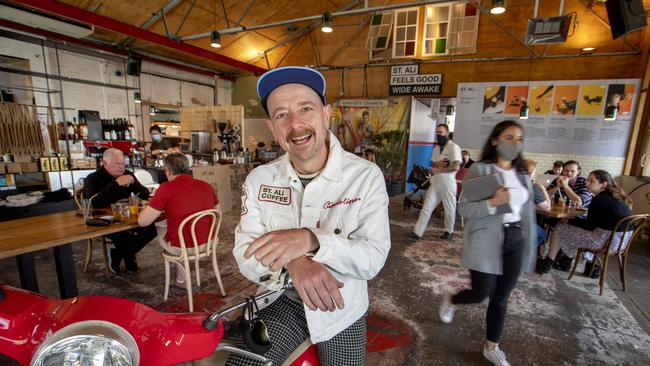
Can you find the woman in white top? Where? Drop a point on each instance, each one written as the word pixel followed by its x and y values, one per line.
pixel 499 234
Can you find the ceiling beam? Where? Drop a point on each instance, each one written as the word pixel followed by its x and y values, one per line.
pixel 307 28
pixel 187 13
pixel 80 15
pixel 154 18
pixel 107 49
pixel 318 17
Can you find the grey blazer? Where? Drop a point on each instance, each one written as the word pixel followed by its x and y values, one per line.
pixel 483 233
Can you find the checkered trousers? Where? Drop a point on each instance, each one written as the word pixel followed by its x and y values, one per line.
pixel 287 327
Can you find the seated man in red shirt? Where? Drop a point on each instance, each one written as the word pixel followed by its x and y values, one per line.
pixel 179 197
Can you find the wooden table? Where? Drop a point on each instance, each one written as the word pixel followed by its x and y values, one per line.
pixel 562 212
pixel 20 238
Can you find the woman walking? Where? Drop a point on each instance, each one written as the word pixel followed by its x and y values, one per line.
pixel 499 237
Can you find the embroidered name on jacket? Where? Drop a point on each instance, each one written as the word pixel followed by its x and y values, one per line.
pixel 345 201
pixel 279 195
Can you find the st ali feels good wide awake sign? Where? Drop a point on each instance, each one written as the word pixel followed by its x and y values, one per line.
pixel 406 80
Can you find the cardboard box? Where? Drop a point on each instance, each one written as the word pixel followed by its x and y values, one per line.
pixel 3 168
pixel 14 168
pixel 29 167
pixel 85 163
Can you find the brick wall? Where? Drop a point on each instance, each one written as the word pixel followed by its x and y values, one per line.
pixel 255 130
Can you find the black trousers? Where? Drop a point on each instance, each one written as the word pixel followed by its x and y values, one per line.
pixel 496 287
pixel 128 243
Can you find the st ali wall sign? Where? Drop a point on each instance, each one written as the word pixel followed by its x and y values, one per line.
pixel 406 80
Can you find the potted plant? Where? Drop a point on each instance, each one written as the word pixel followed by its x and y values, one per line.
pixel 390 153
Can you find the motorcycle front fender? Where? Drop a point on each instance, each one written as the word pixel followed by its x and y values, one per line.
pixel 26 319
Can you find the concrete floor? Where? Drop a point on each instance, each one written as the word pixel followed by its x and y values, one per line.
pixel 551 321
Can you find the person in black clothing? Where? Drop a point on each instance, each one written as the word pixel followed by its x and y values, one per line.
pixel 609 205
pixel 557 168
pixel 159 145
pixel 109 184
pixel 467 161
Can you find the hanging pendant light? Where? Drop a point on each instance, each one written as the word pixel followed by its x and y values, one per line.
pixel 152 110
pixel 215 39
pixel 136 97
pixel 327 23
pixel 523 112
pixel 610 113
pixel 498 7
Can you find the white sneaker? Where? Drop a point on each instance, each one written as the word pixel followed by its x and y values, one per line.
pixel 496 356
pixel 447 309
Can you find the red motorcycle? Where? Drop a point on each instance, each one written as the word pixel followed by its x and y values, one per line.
pixel 102 330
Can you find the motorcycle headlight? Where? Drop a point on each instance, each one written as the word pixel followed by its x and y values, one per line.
pixel 88 343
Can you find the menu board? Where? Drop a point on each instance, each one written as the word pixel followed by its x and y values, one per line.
pixel 565 116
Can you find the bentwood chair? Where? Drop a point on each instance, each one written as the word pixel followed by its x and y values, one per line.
pixel 195 251
pixel 78 196
pixel 624 234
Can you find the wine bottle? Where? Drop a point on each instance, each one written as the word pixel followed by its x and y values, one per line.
pixel 107 130
pixel 127 131
pixel 83 128
pixel 69 130
pixel 113 130
pixel 75 126
pixel 60 130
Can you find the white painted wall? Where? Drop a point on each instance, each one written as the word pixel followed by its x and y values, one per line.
pixel 112 102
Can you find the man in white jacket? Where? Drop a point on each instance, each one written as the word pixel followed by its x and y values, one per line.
pixel 318 213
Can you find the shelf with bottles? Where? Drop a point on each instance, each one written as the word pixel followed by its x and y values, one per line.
pixel 118 129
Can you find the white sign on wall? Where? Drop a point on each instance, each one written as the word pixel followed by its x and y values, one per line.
pixel 566 116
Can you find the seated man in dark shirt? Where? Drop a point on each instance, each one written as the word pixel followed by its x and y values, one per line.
pixel 109 184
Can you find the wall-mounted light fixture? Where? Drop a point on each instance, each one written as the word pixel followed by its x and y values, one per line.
pixel 327 23
pixel 215 39
pixel 523 111
pixel 136 97
pixel 498 7
pixel 610 113
pixel 152 110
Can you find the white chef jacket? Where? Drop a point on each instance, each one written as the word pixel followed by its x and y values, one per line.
pixel 452 153
pixel 345 206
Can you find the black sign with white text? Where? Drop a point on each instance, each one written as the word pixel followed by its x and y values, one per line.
pixel 405 80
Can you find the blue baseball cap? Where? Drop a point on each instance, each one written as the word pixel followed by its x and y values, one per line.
pixel 290 75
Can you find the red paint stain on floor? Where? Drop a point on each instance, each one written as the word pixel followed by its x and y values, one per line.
pixel 444 271
pixel 385 333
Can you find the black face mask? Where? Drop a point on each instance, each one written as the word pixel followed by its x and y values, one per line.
pixel 442 140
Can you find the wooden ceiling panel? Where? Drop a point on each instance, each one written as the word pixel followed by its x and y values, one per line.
pixel 134 13
pixel 499 36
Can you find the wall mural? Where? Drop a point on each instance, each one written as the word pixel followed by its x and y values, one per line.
pixel 375 129
pixel 356 121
